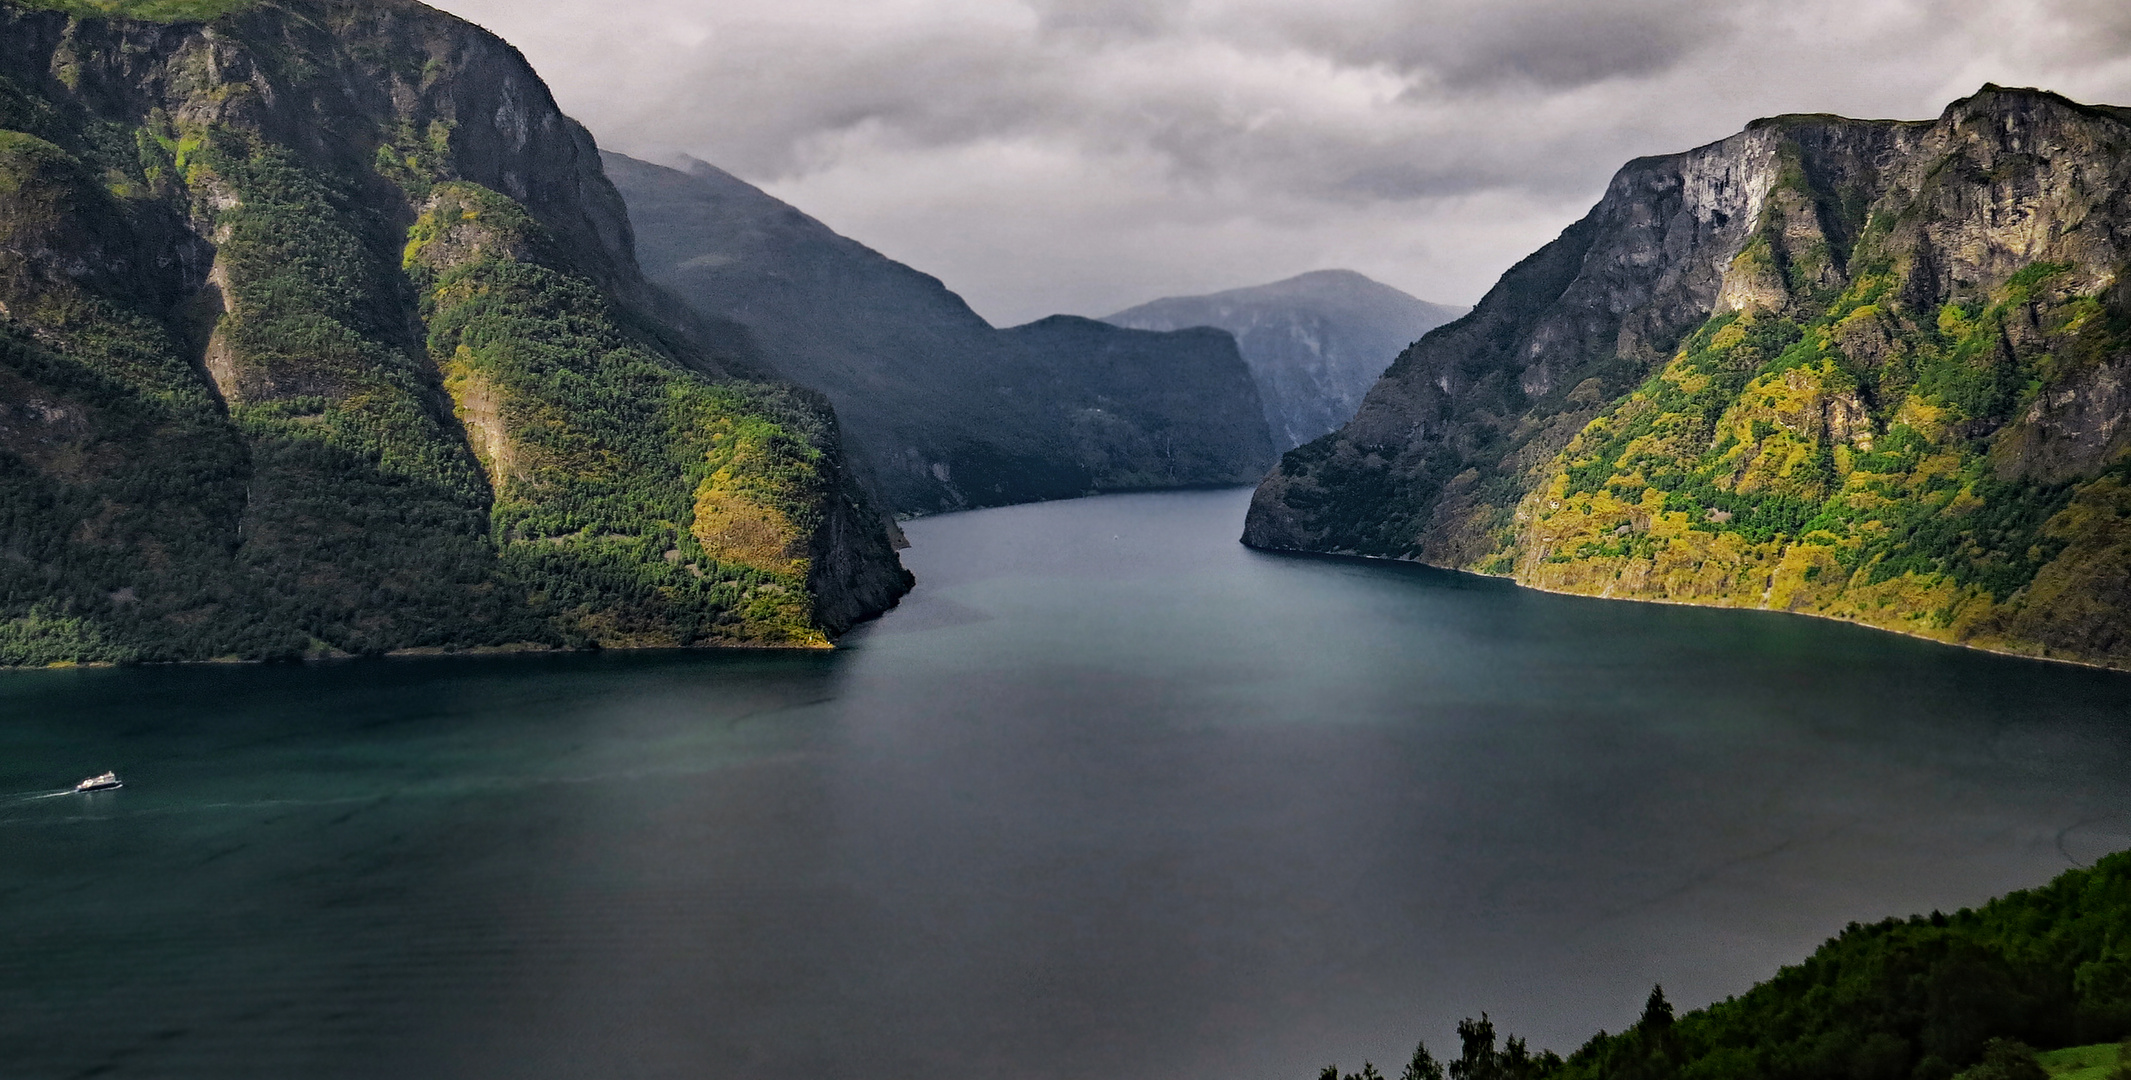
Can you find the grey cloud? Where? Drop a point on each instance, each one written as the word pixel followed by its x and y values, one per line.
pixel 1577 44
pixel 1110 20
pixel 961 85
pixel 1041 153
pixel 2098 28
pixel 933 92
pixel 1549 44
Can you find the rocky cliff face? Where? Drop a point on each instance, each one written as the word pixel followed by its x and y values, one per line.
pixel 944 411
pixel 1869 370
pixel 321 332
pixel 1315 343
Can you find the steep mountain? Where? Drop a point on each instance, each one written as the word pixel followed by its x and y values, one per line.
pixel 1871 370
pixel 320 332
pixel 1315 343
pixel 943 410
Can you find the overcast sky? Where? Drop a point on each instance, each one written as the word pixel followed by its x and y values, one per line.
pixel 1086 155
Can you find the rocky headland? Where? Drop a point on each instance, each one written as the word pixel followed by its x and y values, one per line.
pixel 1870 370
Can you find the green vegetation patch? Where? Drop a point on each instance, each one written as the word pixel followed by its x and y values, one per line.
pixel 367 514
pixel 162 11
pixel 2102 1061
pixel 637 500
pixel 313 340
pixel 45 636
pixel 1855 429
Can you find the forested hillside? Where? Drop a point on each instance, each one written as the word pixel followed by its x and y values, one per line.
pixel 321 332
pixel 1917 998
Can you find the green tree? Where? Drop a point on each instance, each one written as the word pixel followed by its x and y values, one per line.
pixel 1657 1014
pixel 1477 1054
pixel 1424 1066
pixel 2006 1059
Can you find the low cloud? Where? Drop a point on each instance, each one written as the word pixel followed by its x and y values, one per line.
pixel 1084 155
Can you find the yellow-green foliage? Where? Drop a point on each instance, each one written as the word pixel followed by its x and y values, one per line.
pixel 2097 1062
pixel 639 502
pixel 164 11
pixel 1765 466
pixel 22 157
pixel 43 636
pixel 416 158
pixel 306 351
pixel 744 509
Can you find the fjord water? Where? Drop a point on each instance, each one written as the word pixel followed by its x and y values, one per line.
pixel 1110 796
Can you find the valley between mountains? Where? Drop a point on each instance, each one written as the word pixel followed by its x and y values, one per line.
pixel 326 333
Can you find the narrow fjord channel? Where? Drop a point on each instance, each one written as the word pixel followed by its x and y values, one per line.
pixel 1109 796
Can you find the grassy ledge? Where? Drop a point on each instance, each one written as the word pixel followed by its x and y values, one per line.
pixel 163 11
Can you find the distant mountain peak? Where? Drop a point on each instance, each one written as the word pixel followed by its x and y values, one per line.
pixel 1315 342
pixel 1320 284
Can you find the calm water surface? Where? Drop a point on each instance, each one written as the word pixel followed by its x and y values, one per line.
pixel 1108 797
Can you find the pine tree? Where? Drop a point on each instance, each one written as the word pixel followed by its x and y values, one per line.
pixel 1657 1014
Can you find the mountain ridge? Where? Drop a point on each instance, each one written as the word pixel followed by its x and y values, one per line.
pixel 944 410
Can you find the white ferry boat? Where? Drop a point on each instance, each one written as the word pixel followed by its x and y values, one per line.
pixel 105 782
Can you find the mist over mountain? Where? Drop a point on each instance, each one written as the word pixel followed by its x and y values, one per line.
pixel 1315 343
pixel 942 410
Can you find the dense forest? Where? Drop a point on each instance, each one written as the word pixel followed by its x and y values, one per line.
pixel 1930 997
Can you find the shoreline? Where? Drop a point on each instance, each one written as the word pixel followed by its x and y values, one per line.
pixel 479 652
pixel 1512 581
